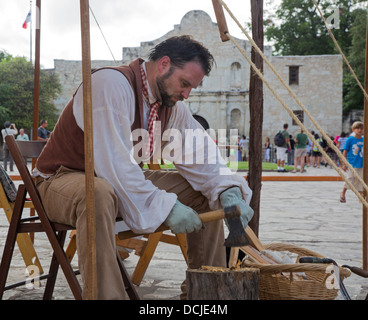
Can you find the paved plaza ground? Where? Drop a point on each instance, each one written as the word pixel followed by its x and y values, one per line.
pixel 305 213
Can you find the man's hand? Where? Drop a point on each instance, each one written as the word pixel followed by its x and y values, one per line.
pixel 233 197
pixel 183 219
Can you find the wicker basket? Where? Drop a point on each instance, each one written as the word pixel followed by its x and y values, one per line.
pixel 280 281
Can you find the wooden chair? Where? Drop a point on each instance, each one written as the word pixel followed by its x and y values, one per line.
pixel 144 247
pixel 55 232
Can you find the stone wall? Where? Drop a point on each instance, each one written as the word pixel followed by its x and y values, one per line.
pixel 319 90
pixel 69 73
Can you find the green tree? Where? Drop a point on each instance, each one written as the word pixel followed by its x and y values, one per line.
pixel 296 28
pixel 16 92
pixel 5 56
pixel 353 95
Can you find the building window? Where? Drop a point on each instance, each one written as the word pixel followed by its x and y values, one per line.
pixel 300 115
pixel 235 77
pixel 294 75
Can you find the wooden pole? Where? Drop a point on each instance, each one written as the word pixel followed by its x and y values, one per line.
pixel 256 115
pixel 30 31
pixel 88 150
pixel 365 161
pixel 221 20
pixel 36 86
pixel 36 92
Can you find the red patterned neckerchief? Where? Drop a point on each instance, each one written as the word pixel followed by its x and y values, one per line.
pixel 152 117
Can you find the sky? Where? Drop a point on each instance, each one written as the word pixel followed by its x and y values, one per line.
pixel 124 23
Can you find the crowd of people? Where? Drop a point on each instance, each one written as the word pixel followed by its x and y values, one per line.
pixel 11 129
pixel 302 151
pixel 313 157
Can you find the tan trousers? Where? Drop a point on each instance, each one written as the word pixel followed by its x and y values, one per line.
pixel 63 196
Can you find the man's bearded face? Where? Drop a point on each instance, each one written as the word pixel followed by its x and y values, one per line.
pixel 163 84
pixel 176 84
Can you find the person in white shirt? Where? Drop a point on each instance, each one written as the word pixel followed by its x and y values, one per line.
pixel 9 128
pixel 244 142
pixel 22 135
pixel 144 199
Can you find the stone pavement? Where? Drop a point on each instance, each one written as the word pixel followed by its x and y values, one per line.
pixel 304 213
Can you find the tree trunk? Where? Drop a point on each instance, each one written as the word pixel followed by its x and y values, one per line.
pixel 223 284
pixel 256 115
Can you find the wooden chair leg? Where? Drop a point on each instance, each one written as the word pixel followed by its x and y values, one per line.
pixel 129 286
pixel 72 246
pixel 54 267
pixel 63 261
pixel 28 252
pixel 144 260
pixel 182 241
pixel 130 289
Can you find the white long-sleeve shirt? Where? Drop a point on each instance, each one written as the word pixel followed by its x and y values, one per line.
pixel 143 206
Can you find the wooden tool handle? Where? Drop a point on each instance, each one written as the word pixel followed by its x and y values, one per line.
pixel 205 217
pixel 212 215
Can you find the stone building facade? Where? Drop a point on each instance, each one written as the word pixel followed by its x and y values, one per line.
pixel 222 101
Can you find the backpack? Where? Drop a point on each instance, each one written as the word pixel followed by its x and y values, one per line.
pixel 8 185
pixel 279 139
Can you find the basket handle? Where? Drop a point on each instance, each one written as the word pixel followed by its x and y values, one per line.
pixel 293 267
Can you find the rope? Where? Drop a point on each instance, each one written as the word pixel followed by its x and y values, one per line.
pixel 291 113
pixel 98 25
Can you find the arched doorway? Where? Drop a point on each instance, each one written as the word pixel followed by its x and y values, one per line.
pixel 235 119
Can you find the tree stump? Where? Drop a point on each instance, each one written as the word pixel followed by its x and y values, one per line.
pixel 214 283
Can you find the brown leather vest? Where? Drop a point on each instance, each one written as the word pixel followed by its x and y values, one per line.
pixel 65 146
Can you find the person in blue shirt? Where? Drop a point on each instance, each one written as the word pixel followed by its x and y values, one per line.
pixel 43 133
pixel 353 152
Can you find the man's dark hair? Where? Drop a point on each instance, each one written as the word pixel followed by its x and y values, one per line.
pixel 286 125
pixel 183 49
pixel 42 122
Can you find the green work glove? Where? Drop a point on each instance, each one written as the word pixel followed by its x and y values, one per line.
pixel 183 219
pixel 233 197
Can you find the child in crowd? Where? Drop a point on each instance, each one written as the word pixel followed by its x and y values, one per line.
pixel 353 152
pixel 316 153
pixel 267 149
